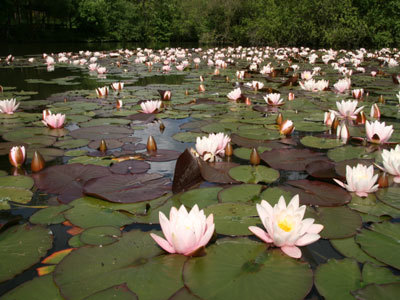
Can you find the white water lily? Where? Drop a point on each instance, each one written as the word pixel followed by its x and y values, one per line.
pixel 8 106
pixel 149 107
pixel 360 180
pixel 378 133
pixel 348 109
pixel 208 147
pixel 391 162
pixel 285 227
pixel 185 232
pixel 235 94
pixel 274 99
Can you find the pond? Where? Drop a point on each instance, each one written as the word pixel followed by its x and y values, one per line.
pixel 286 159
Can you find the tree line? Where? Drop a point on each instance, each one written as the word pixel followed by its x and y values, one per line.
pixel 313 23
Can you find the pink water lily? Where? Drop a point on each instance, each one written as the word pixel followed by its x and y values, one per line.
pixel 54 121
pixel 347 109
pixel 8 106
pixel 117 86
pixel 360 180
pixel 391 162
pixel 149 107
pixel 102 92
pixel 235 94
pixel 185 232
pixel 285 227
pixel 274 99
pixel 378 133
pixel 208 147
pixel 17 156
pixel 342 85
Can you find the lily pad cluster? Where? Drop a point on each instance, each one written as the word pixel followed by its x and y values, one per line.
pixel 102 181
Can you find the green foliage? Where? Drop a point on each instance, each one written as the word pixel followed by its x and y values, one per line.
pixel 314 23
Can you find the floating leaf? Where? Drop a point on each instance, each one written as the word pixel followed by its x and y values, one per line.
pixel 389 291
pixel 254 174
pixel 12 194
pixel 372 206
pixel 49 215
pixel 101 235
pixel 21 247
pixel 128 188
pixel 376 274
pixel 130 167
pixel 121 292
pixel 217 172
pixel 243 269
pixel 320 142
pixel 390 196
pixel 101 132
pixel 337 278
pixel 187 137
pixel 203 197
pixel 103 267
pixel 187 172
pixel 24 182
pixel 387 236
pixel 290 159
pixel 240 193
pixel 321 169
pixel 71 143
pixel 318 193
pixel 349 152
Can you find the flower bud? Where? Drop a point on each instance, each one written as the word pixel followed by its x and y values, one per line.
pixel 103 146
pixel 291 96
pixel 254 157
pixel 361 118
pixel 286 128
pixel 375 111
pixel 229 150
pixel 151 144
pixel 279 119
pixel 17 156
pixel 38 162
pixel 383 180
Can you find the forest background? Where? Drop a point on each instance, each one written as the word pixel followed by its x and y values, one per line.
pixel 315 23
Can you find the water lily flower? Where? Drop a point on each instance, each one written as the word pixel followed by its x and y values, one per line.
pixel 256 85
pixel 286 127
pixel 117 86
pixel 378 133
pixel 101 70
pixel 92 67
pixel 357 93
pixel 166 96
pixel 398 96
pixel 342 85
pixel 274 99
pixel 180 67
pixel 285 227
pixel 49 60
pixel 208 147
pixel 240 74
pixel 54 121
pixel 347 109
pixel 8 106
pixel 343 133
pixel 152 106
pixel 314 86
pixel 373 73
pixel 360 180
pixel 306 75
pixel 375 111
pixel 329 117
pixel 102 92
pixel 235 94
pixel 119 104
pixel 185 232
pixel 391 162
pixel 17 156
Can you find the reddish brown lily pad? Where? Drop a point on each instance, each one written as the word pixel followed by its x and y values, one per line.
pixel 101 132
pixel 318 193
pixel 128 188
pixel 142 118
pixel 67 180
pixel 187 172
pixel 321 169
pixel 130 167
pixel 133 147
pixel 291 159
pixel 251 143
pixel 162 155
pixel 217 172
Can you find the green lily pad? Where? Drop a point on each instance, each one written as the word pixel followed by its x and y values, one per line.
pixel 390 196
pixel 379 275
pixel 349 248
pixel 372 206
pixel 135 260
pixel 350 221
pixel 349 152
pixel 89 160
pixel 241 193
pixel 24 182
pixel 49 215
pixel 243 269
pixel 120 292
pixel 71 143
pixel 309 126
pixel 389 291
pixel 12 194
pixel 101 235
pixel 21 247
pixel 38 288
pixel 244 153
pixel 187 137
pixel 202 197
pixel 337 278
pixel 272 195
pixel 254 174
pixel 381 241
pixel 233 218
pixel 320 143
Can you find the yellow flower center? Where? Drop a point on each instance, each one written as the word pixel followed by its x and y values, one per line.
pixel 286 224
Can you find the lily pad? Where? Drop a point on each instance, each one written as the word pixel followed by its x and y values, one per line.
pixel 101 235
pixel 11 194
pixel 217 172
pixel 203 197
pixel 349 152
pixel 101 132
pixel 372 206
pixel 243 269
pixel 387 236
pixel 21 247
pixel 71 143
pixel 337 278
pixel 121 292
pixel 389 291
pixel 318 192
pixel 320 142
pixel 187 172
pixel 241 193
pixel 104 267
pixel 321 169
pixel 24 182
pixel 390 196
pixel 49 215
pixel 128 188
pixel 350 221
pixel 187 137
pixel 290 159
pixel 254 174
pixel 130 167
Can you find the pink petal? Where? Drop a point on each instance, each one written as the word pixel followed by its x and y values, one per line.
pixel 261 234
pixel 307 239
pixel 396 179
pixel 362 194
pixel 315 228
pixel 339 183
pixel 291 251
pixel 162 243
